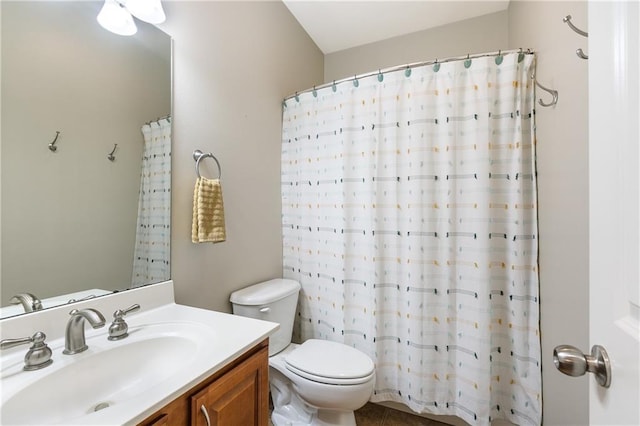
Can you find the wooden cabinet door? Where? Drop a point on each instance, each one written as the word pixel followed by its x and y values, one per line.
pixel 238 398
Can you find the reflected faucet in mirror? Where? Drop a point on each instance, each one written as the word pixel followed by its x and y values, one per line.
pixel 29 302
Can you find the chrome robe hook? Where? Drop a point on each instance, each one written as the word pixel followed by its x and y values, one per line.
pixel 112 157
pixel 553 93
pixel 52 145
pixel 579 52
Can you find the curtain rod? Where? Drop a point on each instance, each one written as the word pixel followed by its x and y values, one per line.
pixel 410 66
pixel 168 117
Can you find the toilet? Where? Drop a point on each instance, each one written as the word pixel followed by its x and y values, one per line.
pixel 315 383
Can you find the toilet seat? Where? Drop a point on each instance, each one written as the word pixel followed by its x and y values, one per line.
pixel 330 363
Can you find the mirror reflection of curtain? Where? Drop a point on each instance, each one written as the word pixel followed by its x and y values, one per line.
pixel 151 259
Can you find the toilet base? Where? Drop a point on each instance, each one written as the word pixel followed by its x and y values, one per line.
pixel 290 410
pixel 325 417
pixel 284 417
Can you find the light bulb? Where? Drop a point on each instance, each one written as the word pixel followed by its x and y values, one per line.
pixel 115 18
pixel 146 10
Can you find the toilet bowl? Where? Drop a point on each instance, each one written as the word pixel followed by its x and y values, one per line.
pixel 318 382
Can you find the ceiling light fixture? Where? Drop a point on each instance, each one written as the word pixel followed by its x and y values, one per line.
pixel 115 15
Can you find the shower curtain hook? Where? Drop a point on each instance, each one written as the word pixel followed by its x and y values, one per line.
pixel 467 62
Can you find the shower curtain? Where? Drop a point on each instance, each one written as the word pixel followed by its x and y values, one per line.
pixel 409 217
pixel 151 260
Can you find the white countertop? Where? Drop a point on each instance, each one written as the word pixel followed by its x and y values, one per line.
pixel 224 338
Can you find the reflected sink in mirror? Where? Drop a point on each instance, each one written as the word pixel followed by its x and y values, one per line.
pixel 110 373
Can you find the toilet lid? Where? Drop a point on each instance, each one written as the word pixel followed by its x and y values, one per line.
pixel 330 362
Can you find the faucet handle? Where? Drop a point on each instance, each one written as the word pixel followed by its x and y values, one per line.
pixel 119 328
pixel 39 354
pixel 91 296
pixel 122 312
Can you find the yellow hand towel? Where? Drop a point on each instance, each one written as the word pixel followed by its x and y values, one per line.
pixel 208 212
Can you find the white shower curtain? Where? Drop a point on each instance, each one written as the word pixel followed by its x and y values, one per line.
pixel 409 217
pixel 151 260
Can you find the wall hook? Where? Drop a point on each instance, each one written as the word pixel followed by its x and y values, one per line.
pixel 52 145
pixel 579 52
pixel 553 93
pixel 112 157
pixel 567 20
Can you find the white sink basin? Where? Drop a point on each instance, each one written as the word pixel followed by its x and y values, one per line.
pixel 122 382
pixel 104 376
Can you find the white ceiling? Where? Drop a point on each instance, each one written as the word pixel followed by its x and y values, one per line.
pixel 336 25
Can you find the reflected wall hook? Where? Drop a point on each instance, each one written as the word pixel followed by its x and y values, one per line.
pixel 579 52
pixel 112 157
pixel 52 145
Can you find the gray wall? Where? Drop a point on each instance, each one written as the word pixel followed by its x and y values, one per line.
pixel 477 35
pixel 234 62
pixel 563 177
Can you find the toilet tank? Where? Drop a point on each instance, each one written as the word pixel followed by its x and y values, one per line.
pixel 274 300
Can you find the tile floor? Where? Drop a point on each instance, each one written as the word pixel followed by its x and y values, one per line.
pixel 377 415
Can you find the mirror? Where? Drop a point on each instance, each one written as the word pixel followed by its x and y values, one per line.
pixel 72 92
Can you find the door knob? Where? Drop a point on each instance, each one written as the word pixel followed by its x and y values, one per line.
pixel 572 362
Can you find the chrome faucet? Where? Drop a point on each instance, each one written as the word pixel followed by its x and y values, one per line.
pixel 74 341
pixel 29 302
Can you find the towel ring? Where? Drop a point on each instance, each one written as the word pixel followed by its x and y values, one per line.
pixel 199 155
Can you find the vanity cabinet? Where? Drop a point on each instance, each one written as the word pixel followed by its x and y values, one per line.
pixel 237 395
